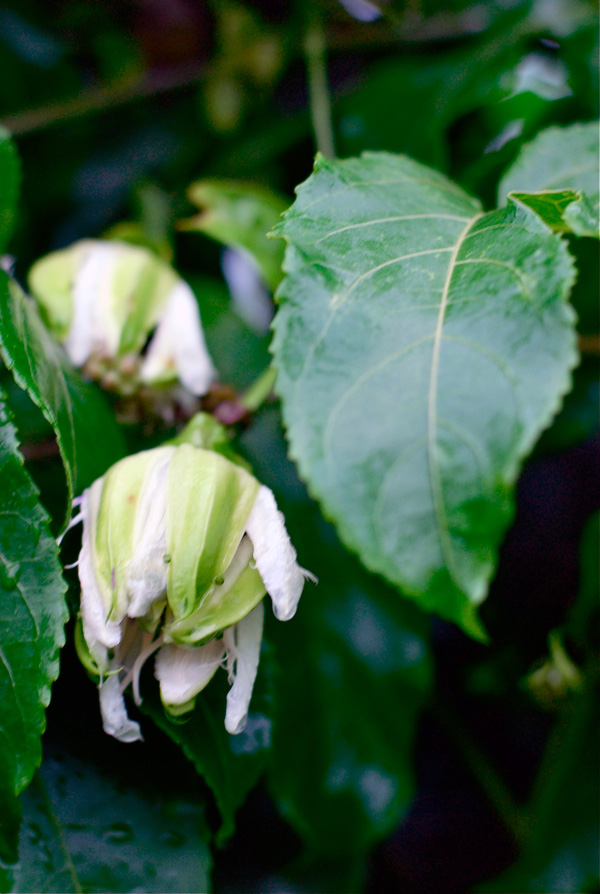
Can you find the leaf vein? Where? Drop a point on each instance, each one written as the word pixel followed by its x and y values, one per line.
pixel 435 478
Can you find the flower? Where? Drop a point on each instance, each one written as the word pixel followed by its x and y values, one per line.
pixel 179 547
pixel 103 299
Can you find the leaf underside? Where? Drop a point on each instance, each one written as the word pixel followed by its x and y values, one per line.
pixel 421 347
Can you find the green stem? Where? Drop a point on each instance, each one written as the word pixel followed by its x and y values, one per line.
pixel 259 391
pixel 561 754
pixel 315 50
pixel 491 783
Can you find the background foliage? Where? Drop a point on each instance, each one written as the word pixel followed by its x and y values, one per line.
pixel 389 747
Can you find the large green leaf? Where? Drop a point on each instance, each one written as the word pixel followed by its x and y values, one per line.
pixel 85 830
pixel 356 671
pixel 32 617
pixel 240 215
pixel 10 176
pixel 87 434
pixel 557 175
pixel 421 347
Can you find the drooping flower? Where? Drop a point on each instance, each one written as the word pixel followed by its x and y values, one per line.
pixel 104 299
pixel 179 547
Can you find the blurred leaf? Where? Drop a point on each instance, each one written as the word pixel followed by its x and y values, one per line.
pixel 10 177
pixel 356 663
pixel 584 610
pixel 578 417
pixel 557 176
pixel 562 852
pixel 355 673
pixel 443 336
pixel 87 434
pixel 85 830
pixel 428 94
pixel 32 615
pixel 240 215
pixel 230 765
pixel 248 60
pixel 224 328
pixel 153 230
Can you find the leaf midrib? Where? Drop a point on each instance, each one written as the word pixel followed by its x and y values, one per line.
pixel 435 479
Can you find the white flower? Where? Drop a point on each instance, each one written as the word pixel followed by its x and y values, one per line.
pixel 103 299
pixel 179 546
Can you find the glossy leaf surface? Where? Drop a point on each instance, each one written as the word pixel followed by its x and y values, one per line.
pixel 85 830
pixel 32 617
pixel 86 432
pixel 421 347
pixel 559 160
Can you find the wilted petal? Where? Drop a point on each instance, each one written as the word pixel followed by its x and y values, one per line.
pixel 250 297
pixel 242 642
pixel 146 573
pixel 184 671
pixel 99 633
pixel 178 345
pixel 114 714
pixel 275 556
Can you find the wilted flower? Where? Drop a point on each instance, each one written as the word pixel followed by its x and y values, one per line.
pixel 103 299
pixel 179 547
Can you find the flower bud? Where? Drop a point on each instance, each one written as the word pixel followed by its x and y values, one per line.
pixel 103 299
pixel 180 545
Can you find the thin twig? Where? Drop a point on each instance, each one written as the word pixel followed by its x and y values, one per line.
pixel 315 49
pixel 102 98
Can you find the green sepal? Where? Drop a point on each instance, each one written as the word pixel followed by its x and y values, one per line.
pixel 83 652
pixel 206 520
pixel 204 431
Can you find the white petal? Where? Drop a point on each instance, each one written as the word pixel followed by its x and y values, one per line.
pixel 275 556
pixel 99 633
pixel 362 10
pixel 146 573
pixel 250 297
pixel 243 642
pixel 114 714
pixel 93 326
pixel 184 671
pixel 178 344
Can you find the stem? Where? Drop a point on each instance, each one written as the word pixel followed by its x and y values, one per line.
pixel 259 391
pixel 491 783
pixel 560 757
pixel 315 50
pixel 99 99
